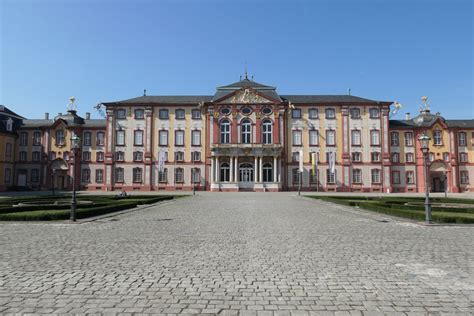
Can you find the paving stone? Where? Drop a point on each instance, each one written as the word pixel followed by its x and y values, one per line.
pixel 228 253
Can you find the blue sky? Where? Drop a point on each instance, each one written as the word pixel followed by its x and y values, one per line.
pixel 108 50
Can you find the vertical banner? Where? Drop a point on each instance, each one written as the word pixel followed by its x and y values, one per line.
pixel 301 160
pixel 332 161
pixel 314 160
pixel 161 160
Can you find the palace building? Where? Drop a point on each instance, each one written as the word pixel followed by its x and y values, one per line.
pixel 245 137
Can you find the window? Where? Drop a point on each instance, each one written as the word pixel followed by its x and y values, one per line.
pixel 225 111
pixel 196 156
pixel 120 138
pixel 36 138
pixel 330 113
pixel 355 113
pixel 163 138
pixel 179 114
pixel 8 150
pixel 462 139
pixel 99 175
pixel 356 175
pixel 464 177
pixel 267 131
pixel 313 138
pixel 295 156
pixel 396 177
pixel 138 156
pixel 409 158
pixel 163 114
pixel 23 139
pixel 330 176
pixel 52 155
pixel 9 125
pixel 267 110
pixel 179 156
pixel 374 138
pixel 295 175
pixel 35 156
pixel 296 113
pixel 297 138
pixel 446 157
pixel 86 156
pixel 313 178
pixel 375 157
pixel 137 175
pixel 409 139
pixel 196 114
pixel 330 138
pixel 196 138
pixel 119 156
pixel 86 175
pixel 431 157
pixel 121 114
pixel 138 138
pixel 34 175
pixel 462 157
pixel 225 172
pixel 196 175
pixel 60 137
pixel 66 155
pixel 267 172
pixel 313 113
pixel 139 114
pixel 375 175
pixel 394 139
pixel 246 127
pixel 374 113
pixel 437 138
pixel 355 138
pixel 356 157
pixel 163 175
pixel 179 175
pixel 99 156
pixel 410 177
pixel 8 175
pixel 225 132
pixel 179 138
pixel 246 111
pixel 396 157
pixel 118 175
pixel 100 141
pixel 22 155
pixel 87 138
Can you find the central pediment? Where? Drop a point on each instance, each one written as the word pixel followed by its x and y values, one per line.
pixel 246 91
pixel 246 96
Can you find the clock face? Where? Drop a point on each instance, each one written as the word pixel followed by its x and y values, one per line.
pixel 246 111
pixel 267 111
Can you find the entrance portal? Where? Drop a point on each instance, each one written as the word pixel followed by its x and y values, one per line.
pixel 246 176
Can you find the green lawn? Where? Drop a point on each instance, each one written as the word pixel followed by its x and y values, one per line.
pixel 444 210
pixel 102 204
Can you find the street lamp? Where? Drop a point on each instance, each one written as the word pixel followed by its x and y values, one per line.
pixel 75 146
pixel 425 149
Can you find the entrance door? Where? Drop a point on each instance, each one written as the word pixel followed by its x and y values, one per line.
pixel 246 176
pixel 21 180
pixel 437 185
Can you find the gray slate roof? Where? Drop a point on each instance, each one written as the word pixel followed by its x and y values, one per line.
pixel 328 99
pixel 428 121
pixel 172 99
pixel 461 123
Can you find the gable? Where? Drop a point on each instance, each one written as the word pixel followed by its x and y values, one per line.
pixel 245 96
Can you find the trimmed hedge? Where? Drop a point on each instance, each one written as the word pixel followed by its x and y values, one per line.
pixel 381 205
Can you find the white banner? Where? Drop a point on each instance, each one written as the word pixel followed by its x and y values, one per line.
pixel 332 161
pixel 161 160
pixel 301 160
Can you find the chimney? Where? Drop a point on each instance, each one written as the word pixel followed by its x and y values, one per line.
pixel 407 116
pixel 88 116
pixel 46 116
pixel 59 114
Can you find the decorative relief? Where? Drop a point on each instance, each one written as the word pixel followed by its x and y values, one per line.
pixel 248 96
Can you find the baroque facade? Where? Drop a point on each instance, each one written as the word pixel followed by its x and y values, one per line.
pixel 244 137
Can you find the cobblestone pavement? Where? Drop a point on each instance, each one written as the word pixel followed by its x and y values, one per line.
pixel 228 253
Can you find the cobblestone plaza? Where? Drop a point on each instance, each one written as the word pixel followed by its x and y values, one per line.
pixel 231 253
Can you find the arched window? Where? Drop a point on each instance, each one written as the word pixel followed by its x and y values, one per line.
pixel 267 131
pixel 246 127
pixel 225 132
pixel 267 172
pixel 225 172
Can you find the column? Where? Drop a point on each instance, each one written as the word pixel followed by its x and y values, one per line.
pixel 274 169
pixel 212 170
pixel 236 169
pixel 231 170
pixel 218 169
pixel 280 169
pixel 260 177
pixel 255 169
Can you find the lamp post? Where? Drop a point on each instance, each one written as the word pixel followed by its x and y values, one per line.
pixel 425 148
pixel 53 174
pixel 75 143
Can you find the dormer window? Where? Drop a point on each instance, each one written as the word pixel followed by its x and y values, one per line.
pixel 60 137
pixel 9 125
